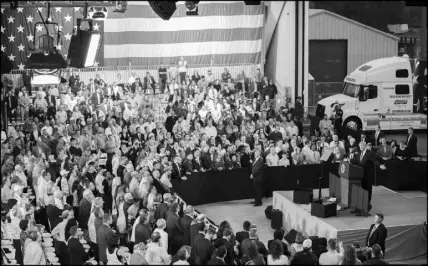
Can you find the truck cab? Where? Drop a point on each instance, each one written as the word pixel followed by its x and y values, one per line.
pixel 379 92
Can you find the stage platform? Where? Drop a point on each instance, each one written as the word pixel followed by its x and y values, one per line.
pixel 404 215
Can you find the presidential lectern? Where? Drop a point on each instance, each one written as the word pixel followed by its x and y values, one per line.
pixel 349 175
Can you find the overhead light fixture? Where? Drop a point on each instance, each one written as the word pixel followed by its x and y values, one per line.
pixel 97 13
pixel 164 9
pixel 46 60
pixel 83 48
pixel 121 6
pixel 192 8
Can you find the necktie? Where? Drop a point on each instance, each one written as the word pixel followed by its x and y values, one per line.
pixel 362 155
pixel 371 233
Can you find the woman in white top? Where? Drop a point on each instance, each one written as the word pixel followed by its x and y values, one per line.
pixel 155 254
pixel 161 225
pixel 297 245
pixel 34 254
pixel 44 183
pixel 113 258
pixel 276 256
pixel 121 220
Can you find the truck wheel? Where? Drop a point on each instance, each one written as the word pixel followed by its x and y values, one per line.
pixel 353 124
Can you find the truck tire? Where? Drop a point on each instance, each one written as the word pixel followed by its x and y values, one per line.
pixel 353 124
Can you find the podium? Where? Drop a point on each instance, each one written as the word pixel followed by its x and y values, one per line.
pixel 350 175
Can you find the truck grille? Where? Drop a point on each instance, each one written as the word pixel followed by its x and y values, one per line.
pixel 320 111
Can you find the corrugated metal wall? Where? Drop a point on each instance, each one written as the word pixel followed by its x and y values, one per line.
pixel 363 44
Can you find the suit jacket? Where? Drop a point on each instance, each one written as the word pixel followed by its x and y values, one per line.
pixel 177 171
pixel 378 236
pixel 13 103
pixel 230 256
pixel 381 151
pixel 51 98
pixel 142 233
pixel 240 236
pixel 146 82
pixel 84 213
pixel 62 252
pixel 194 231
pixel 53 213
pixel 412 144
pixel 173 226
pixel 103 232
pixel 369 156
pixel 257 169
pixel 201 250
pixel 376 141
pixel 206 161
pixel 187 166
pixel 161 211
pixel 186 221
pixel 78 256
pixel 95 101
pixel 216 261
pixel 196 165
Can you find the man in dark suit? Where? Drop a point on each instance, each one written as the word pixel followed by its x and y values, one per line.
pixel 186 221
pixel 97 98
pixel 378 135
pixel 365 160
pixel 197 163
pixel 384 150
pixel 11 105
pixel 376 257
pixel 257 177
pixel 85 209
pixel 50 98
pixel 221 254
pixel 173 228
pixel 54 214
pixel 225 241
pixel 240 236
pixel 164 206
pixel 102 237
pixel 78 256
pixel 202 248
pixel 377 233
pixel 195 227
pixel 177 171
pixel 149 82
pixel 412 143
pixel 188 164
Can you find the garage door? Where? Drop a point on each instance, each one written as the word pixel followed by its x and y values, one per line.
pixel 328 60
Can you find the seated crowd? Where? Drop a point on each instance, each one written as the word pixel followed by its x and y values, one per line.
pixel 101 167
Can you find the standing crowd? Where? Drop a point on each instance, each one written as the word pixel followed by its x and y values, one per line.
pixel 89 167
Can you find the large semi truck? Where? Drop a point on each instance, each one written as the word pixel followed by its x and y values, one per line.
pixel 379 92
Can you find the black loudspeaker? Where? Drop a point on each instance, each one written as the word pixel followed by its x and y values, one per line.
pixel 319 244
pixel 268 212
pixel 164 9
pixel 290 237
pixel 303 196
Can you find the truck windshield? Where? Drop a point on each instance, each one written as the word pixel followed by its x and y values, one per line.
pixel 351 90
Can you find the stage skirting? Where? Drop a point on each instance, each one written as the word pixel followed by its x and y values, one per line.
pixel 217 186
pixel 404 217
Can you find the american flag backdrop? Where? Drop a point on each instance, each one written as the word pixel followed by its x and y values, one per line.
pixel 18 32
pixel 229 32
pixel 224 33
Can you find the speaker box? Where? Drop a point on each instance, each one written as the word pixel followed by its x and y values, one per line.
pixel 303 196
pixel 317 243
pixel 290 237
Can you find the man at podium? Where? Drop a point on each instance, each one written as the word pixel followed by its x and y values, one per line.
pixel 365 159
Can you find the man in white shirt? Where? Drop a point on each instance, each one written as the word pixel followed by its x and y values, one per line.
pixel 210 130
pixel 338 143
pixel 292 130
pixel 331 257
pixel 272 159
pixel 308 153
pixel 210 77
pixel 132 78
